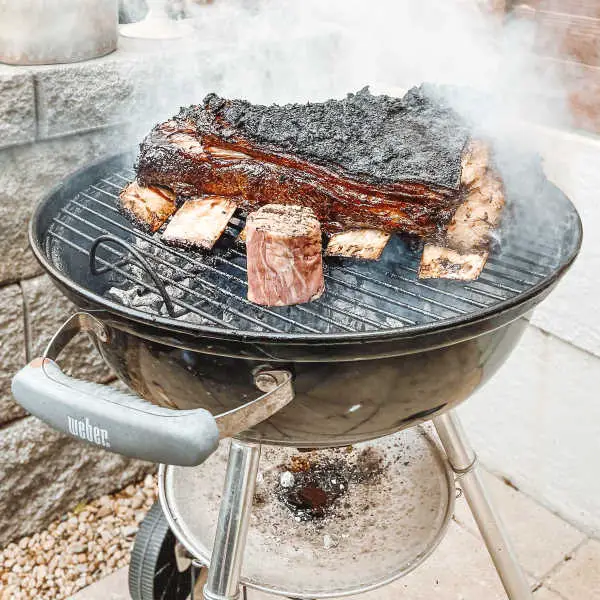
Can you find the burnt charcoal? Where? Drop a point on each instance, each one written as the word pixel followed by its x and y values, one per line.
pixel 123 296
pixel 315 486
pixel 149 301
pixel 314 490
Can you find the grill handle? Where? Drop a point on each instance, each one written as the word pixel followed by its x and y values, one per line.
pixel 127 424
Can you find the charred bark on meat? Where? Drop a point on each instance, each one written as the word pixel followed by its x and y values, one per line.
pixel 363 162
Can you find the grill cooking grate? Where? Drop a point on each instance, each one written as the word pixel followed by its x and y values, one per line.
pixel 210 289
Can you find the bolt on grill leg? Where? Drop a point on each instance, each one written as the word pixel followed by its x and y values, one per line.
pixel 463 461
pixel 234 518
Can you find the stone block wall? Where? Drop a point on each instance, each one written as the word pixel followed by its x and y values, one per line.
pixel 54 120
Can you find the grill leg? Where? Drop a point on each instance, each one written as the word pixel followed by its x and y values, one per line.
pixel 234 518
pixel 464 462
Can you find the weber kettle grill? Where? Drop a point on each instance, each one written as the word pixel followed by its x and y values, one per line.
pixel 350 376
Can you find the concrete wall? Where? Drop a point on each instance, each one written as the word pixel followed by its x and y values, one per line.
pixel 53 120
pixel 538 421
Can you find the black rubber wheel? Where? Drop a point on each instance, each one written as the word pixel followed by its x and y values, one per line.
pixel 153 570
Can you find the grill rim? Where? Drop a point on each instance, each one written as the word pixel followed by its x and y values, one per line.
pixel 55 196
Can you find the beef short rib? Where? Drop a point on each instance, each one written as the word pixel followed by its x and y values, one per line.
pixel 362 168
pixel 364 162
pixel 283 245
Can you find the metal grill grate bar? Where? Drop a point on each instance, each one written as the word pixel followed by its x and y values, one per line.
pixel 358 297
pixel 471 286
pixel 328 277
pixel 398 290
pixel 202 265
pixel 174 283
pixel 420 284
pixel 138 281
pixel 301 308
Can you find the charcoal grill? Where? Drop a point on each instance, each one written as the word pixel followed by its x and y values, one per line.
pixel 380 352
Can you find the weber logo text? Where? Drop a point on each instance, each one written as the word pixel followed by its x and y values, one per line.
pixel 82 428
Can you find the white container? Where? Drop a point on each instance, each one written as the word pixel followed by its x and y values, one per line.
pixel 42 32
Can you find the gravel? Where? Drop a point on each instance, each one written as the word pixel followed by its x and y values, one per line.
pixel 85 545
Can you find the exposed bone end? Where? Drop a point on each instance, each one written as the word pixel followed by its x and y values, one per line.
pixel 148 206
pixel 477 216
pixel 476 160
pixel 200 222
pixel 468 234
pixel 285 266
pixel 366 244
pixel 443 263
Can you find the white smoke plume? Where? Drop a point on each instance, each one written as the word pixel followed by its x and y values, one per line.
pixel 311 50
pixel 279 51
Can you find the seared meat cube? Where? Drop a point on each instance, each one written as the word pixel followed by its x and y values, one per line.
pixel 283 245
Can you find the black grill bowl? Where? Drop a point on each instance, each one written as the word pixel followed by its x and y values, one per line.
pixel 379 352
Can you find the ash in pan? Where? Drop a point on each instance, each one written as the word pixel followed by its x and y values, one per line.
pixel 316 486
pixel 313 488
pixel 388 517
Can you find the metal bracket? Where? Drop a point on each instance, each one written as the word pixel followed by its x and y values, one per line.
pixel 276 385
pixel 80 321
pixel 278 392
pixel 460 473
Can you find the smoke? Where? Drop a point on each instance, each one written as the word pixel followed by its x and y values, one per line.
pixel 310 50
pixel 279 51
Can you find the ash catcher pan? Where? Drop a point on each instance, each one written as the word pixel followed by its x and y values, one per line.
pixel 311 537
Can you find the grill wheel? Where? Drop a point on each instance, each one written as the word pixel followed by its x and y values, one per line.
pixel 153 571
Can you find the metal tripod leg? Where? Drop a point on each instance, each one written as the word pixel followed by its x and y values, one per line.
pixel 464 462
pixel 234 518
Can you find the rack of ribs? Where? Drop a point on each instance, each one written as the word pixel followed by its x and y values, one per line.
pixel 366 166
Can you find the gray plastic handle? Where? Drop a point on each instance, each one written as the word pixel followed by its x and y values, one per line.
pixel 126 424
pixel 115 420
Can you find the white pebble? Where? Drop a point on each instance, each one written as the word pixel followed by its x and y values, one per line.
pixel 286 479
pixel 77 549
pixel 129 531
